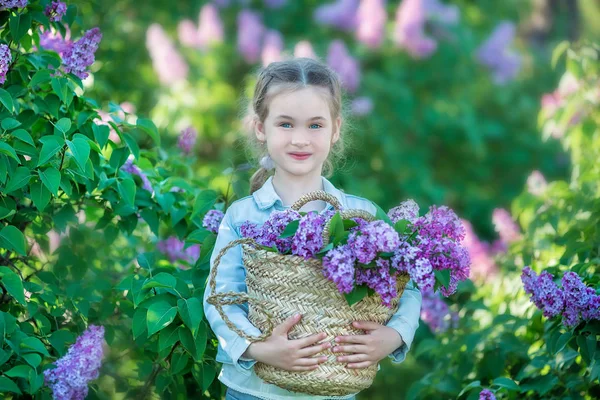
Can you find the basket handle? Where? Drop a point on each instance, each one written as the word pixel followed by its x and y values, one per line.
pixel 229 298
pixel 347 214
pixel 316 195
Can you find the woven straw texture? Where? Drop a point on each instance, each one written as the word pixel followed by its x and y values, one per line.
pixel 280 286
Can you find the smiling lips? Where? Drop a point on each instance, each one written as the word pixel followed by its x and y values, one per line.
pixel 300 156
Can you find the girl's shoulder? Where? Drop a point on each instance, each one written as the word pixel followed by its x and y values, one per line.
pixel 354 202
pixel 245 209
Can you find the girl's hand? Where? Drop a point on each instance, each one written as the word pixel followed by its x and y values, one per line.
pixel 290 355
pixel 366 350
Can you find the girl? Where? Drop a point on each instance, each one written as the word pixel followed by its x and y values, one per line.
pixel 297 119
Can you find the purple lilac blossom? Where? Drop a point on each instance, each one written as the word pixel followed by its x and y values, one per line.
pixel 53 40
pixel 212 220
pixel 168 64
pixel 344 64
pixel 361 106
pixel 173 248
pixel 543 291
pixel 380 280
pixel 133 169
pixel 579 299
pixel 272 48
pixel 362 248
pixel 187 33
pixel 338 267
pixel 422 275
pixel 486 394
pixel 435 312
pixel 210 27
pixel 249 36
pixel 408 210
pixel 438 11
pixel 274 227
pixel 187 140
pixel 80 55
pixel 482 264
pixel 249 230
pixel 506 227
pixel 69 380
pixel 55 11
pixel 308 239
pixel 8 4
pixel 371 17
pixel 5 60
pixel 409 32
pixel 304 49
pixel 494 53
pixel 340 14
pixel 404 256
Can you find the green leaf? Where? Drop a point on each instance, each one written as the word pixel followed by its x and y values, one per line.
pixel 101 133
pixel 81 151
pixel 127 190
pixel 33 359
pixel 59 339
pixel 356 295
pixel 20 178
pixel 148 126
pixel 290 229
pixel 160 315
pixel 34 344
pixel 204 374
pixel 19 371
pixel 443 277
pixel 13 284
pixel 14 238
pixel 162 279
pixel 204 202
pixel 5 148
pixel 400 226
pixel 40 195
pixel 187 340
pixel 336 228
pixel 139 323
pixel 191 313
pixel 470 386
pixel 19 25
pixel 23 136
pixel 168 337
pixel 6 100
pixel 10 124
pixel 51 146
pixel 132 144
pixel 6 385
pixel 382 215
pixel 179 362
pixel 562 341
pixel 506 383
pixel 51 178
pixel 151 219
pixel 147 260
pixel 40 77
pixel 60 87
pixel 63 125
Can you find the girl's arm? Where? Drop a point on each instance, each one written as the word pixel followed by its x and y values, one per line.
pixel 231 276
pixel 406 320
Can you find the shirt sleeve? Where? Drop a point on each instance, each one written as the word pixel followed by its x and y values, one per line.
pixel 406 320
pixel 231 276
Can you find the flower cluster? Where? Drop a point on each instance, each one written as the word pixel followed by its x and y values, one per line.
pixel 7 4
pixel 80 54
pixel 486 394
pixel 173 248
pixel 212 220
pixel 268 234
pixel 55 11
pixel 436 313
pixel 187 140
pixel 133 169
pixel 5 60
pixel 69 380
pixel 574 301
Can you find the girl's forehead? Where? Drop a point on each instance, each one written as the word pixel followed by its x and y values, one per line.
pixel 305 102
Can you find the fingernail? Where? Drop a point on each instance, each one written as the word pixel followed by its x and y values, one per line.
pixel 337 339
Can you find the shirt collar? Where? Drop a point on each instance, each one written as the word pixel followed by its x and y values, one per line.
pixel 267 197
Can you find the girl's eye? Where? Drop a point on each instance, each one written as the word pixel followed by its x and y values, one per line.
pixel 286 123
pixel 315 126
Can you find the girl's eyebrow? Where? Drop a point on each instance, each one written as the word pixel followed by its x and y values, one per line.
pixel 288 117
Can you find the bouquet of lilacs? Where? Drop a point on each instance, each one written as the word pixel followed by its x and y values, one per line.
pixel 365 257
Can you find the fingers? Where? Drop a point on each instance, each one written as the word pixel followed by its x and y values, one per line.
pixel 286 325
pixel 353 358
pixel 355 348
pixel 359 339
pixel 310 340
pixel 312 350
pixel 364 364
pixel 310 361
pixel 366 325
pixel 301 368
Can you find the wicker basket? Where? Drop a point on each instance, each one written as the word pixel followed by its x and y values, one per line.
pixel 280 286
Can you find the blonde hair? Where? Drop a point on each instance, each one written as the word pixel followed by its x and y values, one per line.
pixel 289 75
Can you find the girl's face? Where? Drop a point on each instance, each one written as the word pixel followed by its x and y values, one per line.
pixel 299 131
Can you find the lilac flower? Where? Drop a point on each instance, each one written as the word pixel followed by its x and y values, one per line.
pixel 579 299
pixel 422 275
pixel 187 140
pixel 505 226
pixel 275 3
pixel 304 49
pixel 486 394
pixel 168 64
pixel 536 183
pixel 404 256
pixel 481 259
pixel 80 54
pixel 69 380
pixel 249 36
pixel 308 239
pixel 338 267
pixel 362 106
pixel 133 169
pixel 409 32
pixel 273 47
pixel 440 12
pixel 53 40
pixel 494 53
pixel 212 220
pixel 340 14
pixel 187 33
pixel 371 17
pixel 362 247
pixel 435 312
pixel 408 210
pixel 249 230
pixel 543 291
pixel 380 280
pixel 8 4
pixel 5 60
pixel 55 11
pixel 210 27
pixel 173 248
pixel 344 64
pixel 274 227
pixel 440 222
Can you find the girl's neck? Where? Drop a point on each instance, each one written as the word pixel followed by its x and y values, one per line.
pixel 291 188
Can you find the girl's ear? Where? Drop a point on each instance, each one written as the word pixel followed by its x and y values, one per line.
pixel 337 126
pixel 259 130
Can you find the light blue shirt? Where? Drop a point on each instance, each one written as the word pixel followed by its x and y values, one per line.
pixel 237 372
